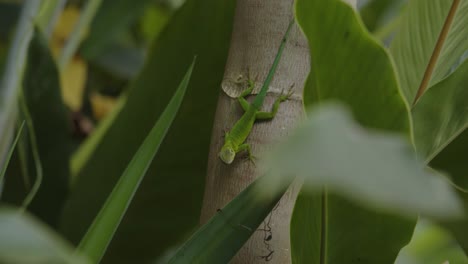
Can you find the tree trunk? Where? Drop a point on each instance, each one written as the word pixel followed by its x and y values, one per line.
pixel 258 29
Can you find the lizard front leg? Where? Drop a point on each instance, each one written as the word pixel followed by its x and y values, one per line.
pixel 245 105
pixel 246 147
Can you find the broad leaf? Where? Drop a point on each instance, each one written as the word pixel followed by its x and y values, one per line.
pixel 99 235
pixel 376 13
pixel 220 239
pixel 23 239
pixel 440 116
pixel 414 43
pixel 459 227
pixel 447 135
pixel 376 169
pixel 329 235
pixel 431 245
pixel 350 66
pixel 177 174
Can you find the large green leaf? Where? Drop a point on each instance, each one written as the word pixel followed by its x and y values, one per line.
pixel 49 120
pixel 330 235
pixel 431 245
pixel 376 169
pixel 220 239
pixel 25 240
pixel 355 69
pixel 440 116
pixel 458 227
pixel 414 43
pixel 99 235
pixel 348 65
pixel 376 13
pixel 442 138
pixel 440 119
pixel 168 203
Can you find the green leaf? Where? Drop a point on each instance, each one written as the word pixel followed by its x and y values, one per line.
pixel 120 60
pixel 99 235
pixel 10 154
pixel 82 155
pixel 431 245
pixel 439 117
pixel 48 118
pixel 414 43
pixel 23 239
pixel 169 200
pixel 349 66
pixel 344 233
pixel 13 73
pixel 8 17
pixel 113 17
pixel 459 227
pixel 219 240
pixel 365 166
pixel 376 13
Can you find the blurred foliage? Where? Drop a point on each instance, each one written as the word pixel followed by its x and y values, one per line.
pixel 120 80
pixel 431 245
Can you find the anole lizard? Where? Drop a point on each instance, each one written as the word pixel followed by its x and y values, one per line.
pixel 234 140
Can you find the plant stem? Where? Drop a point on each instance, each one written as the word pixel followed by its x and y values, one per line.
pixel 437 50
pixel 13 74
pixel 48 15
pixel 78 32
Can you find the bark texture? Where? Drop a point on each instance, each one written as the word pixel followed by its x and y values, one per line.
pixel 258 29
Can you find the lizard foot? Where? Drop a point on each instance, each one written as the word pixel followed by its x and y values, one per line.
pixel 285 96
pixel 251 158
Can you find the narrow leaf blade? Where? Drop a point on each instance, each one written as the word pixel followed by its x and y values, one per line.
pixel 99 235
pixel 220 239
pixel 10 154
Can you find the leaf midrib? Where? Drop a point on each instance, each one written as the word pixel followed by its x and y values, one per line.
pixel 437 51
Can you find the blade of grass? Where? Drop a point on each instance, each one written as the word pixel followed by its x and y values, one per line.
pixel 220 239
pixel 79 30
pixel 99 235
pixel 10 153
pixel 35 153
pixel 13 74
pixel 48 15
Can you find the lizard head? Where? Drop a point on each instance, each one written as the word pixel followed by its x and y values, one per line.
pixel 227 154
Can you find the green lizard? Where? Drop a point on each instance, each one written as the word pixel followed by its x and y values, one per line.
pixel 234 140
